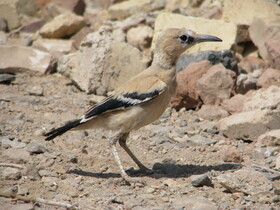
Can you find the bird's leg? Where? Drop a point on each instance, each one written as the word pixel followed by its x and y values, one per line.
pixel 124 175
pixel 122 142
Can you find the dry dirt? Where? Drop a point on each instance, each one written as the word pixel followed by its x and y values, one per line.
pixel 78 167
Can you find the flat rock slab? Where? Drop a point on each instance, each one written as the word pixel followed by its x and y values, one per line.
pixel 249 125
pixel 15 59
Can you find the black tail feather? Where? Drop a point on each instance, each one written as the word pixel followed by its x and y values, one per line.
pixel 59 131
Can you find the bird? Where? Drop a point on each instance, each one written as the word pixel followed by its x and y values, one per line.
pixel 142 99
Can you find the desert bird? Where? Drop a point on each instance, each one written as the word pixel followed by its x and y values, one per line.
pixel 142 99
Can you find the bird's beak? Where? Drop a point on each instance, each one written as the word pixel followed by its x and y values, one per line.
pixel 207 38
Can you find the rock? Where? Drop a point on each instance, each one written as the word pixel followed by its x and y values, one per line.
pixel 62 26
pixel 33 26
pixel 36 148
pixel 215 85
pixel 28 59
pixel 246 82
pixel 132 21
pixel 277 162
pixel 79 36
pixel 3 25
pixel 213 13
pixel 193 203
pixel 264 10
pixel 11 174
pixel 273 49
pixel 16 155
pixel 226 31
pixel 212 112
pixel 36 90
pixel 42 3
pixel 241 181
pixel 250 124
pixel 263 99
pixel 171 183
pixel 231 154
pixel 260 33
pixel 187 93
pixel 269 77
pixel 8 11
pixel 270 138
pixel 23 206
pixel 140 36
pixel 3 38
pixel 224 57
pixel 51 10
pixel 76 6
pixel 234 104
pixel 14 144
pixel 27 7
pixel 264 152
pixel 55 47
pixel 201 180
pixel 32 172
pixel 111 63
pixel 46 173
pixel 200 140
pixel 127 8
pixel 251 63
pixel 7 78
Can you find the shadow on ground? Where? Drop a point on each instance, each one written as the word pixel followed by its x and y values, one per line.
pixel 165 170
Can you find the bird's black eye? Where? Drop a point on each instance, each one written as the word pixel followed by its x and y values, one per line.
pixel 183 37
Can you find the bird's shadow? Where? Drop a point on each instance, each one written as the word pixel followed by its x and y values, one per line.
pixel 161 170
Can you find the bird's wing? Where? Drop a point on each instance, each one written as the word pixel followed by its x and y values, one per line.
pixel 132 93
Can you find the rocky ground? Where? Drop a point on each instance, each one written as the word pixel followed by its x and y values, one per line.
pixel 215 147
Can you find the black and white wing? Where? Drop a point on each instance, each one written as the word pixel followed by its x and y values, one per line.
pixel 135 95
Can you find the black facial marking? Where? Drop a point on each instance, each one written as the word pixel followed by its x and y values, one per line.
pixel 190 39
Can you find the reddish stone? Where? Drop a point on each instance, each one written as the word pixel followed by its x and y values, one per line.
pixel 273 49
pixel 234 104
pixel 251 63
pixel 269 77
pixel 215 85
pixel 187 95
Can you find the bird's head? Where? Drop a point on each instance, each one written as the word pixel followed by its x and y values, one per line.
pixel 174 41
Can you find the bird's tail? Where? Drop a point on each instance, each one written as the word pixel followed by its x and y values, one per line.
pixel 61 130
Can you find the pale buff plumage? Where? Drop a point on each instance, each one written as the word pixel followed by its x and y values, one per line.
pixel 142 99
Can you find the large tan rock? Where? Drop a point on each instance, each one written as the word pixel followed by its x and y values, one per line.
pixel 16 59
pixel 62 25
pixel 273 49
pixel 76 6
pixel 102 63
pixel 234 104
pixel 187 94
pixel 247 181
pixel 127 8
pixel 271 138
pixel 55 47
pixel 269 77
pixel 260 33
pixel 263 99
pixel 8 10
pixel 243 12
pixel 215 85
pixel 249 125
pixel 226 31
pixel 140 36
